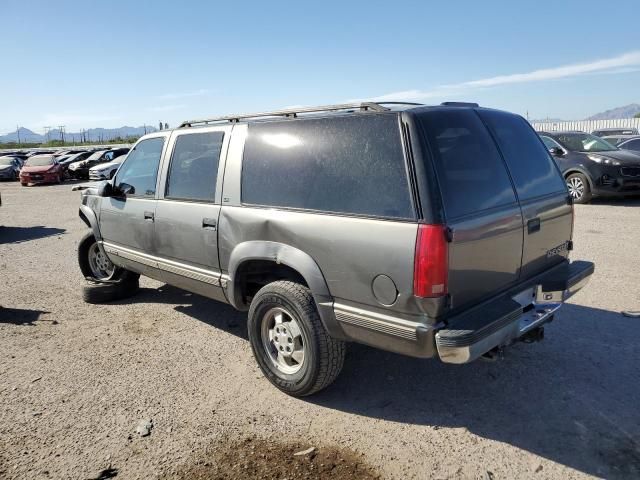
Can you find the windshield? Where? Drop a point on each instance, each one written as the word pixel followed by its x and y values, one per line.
pixel 6 161
pixel 40 161
pixel 584 142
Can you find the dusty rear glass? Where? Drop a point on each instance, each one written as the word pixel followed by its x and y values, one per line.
pixel 533 170
pixel 470 171
pixel 353 165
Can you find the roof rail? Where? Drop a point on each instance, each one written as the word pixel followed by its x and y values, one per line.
pixel 291 113
pixel 459 104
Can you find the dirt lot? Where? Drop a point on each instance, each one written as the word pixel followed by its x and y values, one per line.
pixel 75 379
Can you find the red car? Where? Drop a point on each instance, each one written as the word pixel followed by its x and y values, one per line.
pixel 41 169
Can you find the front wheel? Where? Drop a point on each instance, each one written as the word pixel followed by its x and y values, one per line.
pixel 579 189
pixel 289 342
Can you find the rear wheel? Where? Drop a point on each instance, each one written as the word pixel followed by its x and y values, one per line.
pixel 579 189
pixel 23 184
pixel 289 342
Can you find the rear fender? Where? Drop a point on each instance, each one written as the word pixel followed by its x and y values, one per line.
pixel 293 258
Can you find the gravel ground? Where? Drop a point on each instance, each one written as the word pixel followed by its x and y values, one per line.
pixel 76 379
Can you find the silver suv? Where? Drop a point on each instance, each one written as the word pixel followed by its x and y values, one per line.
pixel 437 231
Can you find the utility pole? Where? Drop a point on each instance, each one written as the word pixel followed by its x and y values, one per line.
pixel 46 133
pixel 18 132
pixel 145 128
pixel 61 127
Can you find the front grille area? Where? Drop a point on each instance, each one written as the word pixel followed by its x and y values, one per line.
pixel 630 171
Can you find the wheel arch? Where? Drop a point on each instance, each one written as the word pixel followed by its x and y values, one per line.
pixel 279 254
pixel 582 171
pixel 88 216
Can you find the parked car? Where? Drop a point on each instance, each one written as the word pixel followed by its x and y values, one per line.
pixel 614 131
pixel 592 166
pixel 438 232
pixel 41 169
pixel 616 139
pixel 631 143
pixel 10 168
pixel 81 169
pixel 76 157
pixel 106 171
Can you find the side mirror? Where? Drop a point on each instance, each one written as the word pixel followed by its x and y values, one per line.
pixel 125 189
pixel 106 189
pixel 556 151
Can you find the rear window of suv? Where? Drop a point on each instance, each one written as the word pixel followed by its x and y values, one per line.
pixel 353 165
pixel 470 171
pixel 533 170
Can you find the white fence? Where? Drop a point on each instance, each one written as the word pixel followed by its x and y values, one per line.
pixel 587 125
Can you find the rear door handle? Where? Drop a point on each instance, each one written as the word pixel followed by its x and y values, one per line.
pixel 533 225
pixel 149 216
pixel 210 223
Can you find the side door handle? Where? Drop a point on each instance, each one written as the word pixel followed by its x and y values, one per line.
pixel 210 223
pixel 533 225
pixel 149 216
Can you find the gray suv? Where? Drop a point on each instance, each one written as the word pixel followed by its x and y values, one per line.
pixel 431 231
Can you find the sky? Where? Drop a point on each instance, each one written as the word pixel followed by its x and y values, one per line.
pixel 87 64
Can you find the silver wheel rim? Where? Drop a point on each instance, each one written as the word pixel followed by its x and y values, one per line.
pixel 576 187
pixel 101 266
pixel 282 340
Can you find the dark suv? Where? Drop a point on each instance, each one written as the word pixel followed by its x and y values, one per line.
pixel 430 231
pixel 592 166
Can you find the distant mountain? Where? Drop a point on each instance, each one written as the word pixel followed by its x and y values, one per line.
pixel 90 135
pixel 23 134
pixel 628 111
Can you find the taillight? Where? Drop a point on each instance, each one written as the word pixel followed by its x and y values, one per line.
pixel 431 262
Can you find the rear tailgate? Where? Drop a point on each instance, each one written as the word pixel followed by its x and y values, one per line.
pixel 542 193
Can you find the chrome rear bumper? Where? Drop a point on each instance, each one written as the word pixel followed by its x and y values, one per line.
pixel 506 320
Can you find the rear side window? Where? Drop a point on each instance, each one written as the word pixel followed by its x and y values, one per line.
pixel 470 171
pixel 533 170
pixel 194 167
pixel 349 165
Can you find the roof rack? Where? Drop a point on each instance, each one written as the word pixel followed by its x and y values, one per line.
pixel 459 104
pixel 292 112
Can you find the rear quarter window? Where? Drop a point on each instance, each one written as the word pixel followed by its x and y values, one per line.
pixel 352 165
pixel 470 171
pixel 533 170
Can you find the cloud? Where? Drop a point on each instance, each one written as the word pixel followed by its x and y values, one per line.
pixel 174 96
pixel 624 63
pixel 166 108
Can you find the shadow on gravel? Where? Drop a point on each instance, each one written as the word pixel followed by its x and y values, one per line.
pixel 18 316
pixel 211 312
pixel 617 202
pixel 24 234
pixel 572 399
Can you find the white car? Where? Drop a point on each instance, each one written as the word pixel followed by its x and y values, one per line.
pixel 106 171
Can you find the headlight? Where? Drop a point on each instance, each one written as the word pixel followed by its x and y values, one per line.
pixel 603 160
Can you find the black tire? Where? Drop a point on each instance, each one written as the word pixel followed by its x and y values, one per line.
pixel 120 275
pixel 24 184
pixel 103 292
pixel 579 188
pixel 323 355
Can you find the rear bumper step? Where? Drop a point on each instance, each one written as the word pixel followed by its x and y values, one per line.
pixel 507 319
